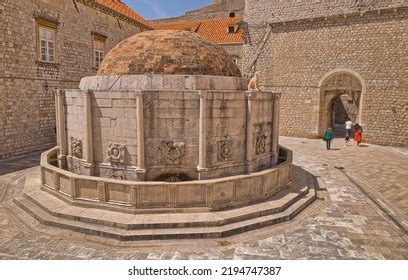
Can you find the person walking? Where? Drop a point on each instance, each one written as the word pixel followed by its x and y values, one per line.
pixel 349 125
pixel 328 137
pixel 358 134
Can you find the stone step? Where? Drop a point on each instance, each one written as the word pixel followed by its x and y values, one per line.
pixel 53 211
pixel 167 233
pixel 64 210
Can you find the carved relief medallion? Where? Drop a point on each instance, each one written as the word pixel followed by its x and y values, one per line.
pixel 225 150
pixel 76 148
pixel 118 175
pixel 260 147
pixel 173 153
pixel 116 153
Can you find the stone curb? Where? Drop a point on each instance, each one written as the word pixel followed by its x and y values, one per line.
pixel 396 218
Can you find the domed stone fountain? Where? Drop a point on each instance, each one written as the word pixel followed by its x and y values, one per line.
pixel 164 135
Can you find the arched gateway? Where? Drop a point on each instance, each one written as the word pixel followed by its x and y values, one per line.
pixel 341 97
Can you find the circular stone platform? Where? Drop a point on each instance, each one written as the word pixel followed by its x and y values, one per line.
pixel 63 212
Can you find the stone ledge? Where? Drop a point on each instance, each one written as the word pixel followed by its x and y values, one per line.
pixel 157 82
pixel 54 212
pixel 131 196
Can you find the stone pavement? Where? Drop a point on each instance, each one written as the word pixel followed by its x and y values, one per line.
pixel 382 171
pixel 346 225
pixel 11 165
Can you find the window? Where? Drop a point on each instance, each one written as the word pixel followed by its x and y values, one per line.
pixel 236 60
pixel 46 38
pixel 232 14
pixel 98 49
pixel 98 53
pixel 231 30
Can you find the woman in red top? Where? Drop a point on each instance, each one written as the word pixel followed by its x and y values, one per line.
pixel 358 134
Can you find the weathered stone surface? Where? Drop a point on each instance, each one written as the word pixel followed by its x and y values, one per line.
pixel 124 86
pixel 168 52
pixel 350 227
pixel 27 86
pixel 217 9
pixel 311 41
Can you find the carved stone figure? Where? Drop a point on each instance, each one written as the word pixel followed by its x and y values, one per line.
pixel 254 82
pixel 225 150
pixel 116 153
pixel 75 167
pixel 260 144
pixel 76 148
pixel 223 104
pixel 173 153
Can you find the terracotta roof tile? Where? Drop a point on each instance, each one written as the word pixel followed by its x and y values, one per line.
pixel 123 9
pixel 216 30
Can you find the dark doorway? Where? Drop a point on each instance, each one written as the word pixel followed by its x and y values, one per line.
pixel 343 108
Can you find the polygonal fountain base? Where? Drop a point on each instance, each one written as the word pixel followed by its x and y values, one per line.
pixel 54 211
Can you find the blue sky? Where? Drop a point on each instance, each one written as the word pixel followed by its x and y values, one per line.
pixel 154 9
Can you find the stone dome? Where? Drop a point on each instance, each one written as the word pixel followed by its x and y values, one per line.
pixel 168 52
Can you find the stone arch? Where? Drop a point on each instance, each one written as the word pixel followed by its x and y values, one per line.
pixel 337 83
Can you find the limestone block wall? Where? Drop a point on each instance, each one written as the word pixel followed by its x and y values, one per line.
pixel 299 54
pixel 218 9
pixel 75 118
pixel 138 197
pixel 226 124
pixel 27 86
pixel 262 119
pixel 169 147
pixel 235 51
pixel 114 121
pixel 287 10
pixel 171 133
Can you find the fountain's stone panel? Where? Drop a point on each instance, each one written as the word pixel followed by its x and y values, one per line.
pixel 171 121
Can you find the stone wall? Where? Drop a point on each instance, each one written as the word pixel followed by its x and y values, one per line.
pixel 235 51
pixel 287 10
pixel 219 9
pixel 363 39
pixel 27 117
pixel 171 132
pixel 215 194
pixel 75 118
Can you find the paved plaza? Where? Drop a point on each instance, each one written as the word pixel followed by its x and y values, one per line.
pixel 361 214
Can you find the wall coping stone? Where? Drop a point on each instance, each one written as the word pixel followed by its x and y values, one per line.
pixel 156 82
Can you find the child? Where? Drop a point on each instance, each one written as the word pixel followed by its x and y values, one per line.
pixel 358 134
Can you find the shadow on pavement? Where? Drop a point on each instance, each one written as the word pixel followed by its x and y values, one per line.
pixel 15 164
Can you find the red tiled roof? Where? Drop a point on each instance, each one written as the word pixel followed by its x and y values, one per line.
pixel 216 30
pixel 122 8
